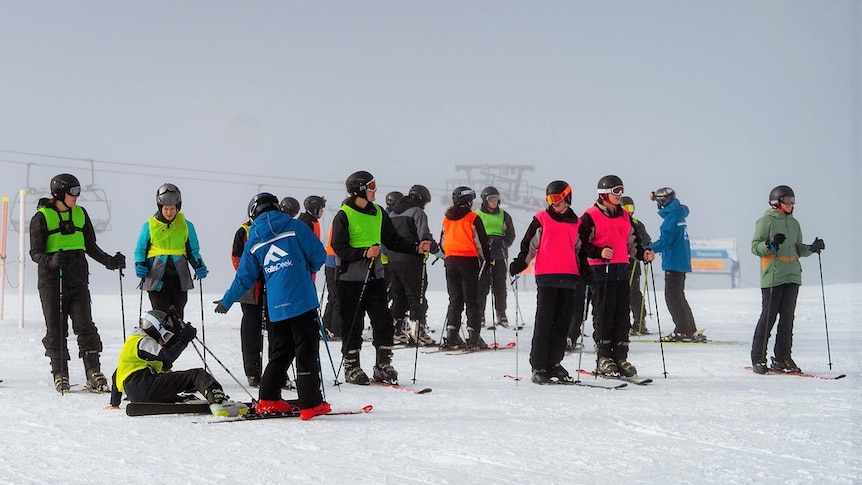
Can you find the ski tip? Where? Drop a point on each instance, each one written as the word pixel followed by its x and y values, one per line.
pixel 367 408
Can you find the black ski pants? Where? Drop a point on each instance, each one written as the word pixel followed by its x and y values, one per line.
pixel 332 312
pixel 554 308
pixel 677 305
pixel 407 286
pixel 170 295
pixel 147 386
pixel 611 318
pixel 636 297
pixel 462 284
pixel 251 339
pixel 778 301
pixel 357 300
pixel 297 337
pixel 77 307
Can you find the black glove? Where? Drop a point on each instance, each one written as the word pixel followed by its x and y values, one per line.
pixel 516 267
pixel 117 261
pixel 775 242
pixel 219 307
pixel 188 333
pixel 818 245
pixel 57 259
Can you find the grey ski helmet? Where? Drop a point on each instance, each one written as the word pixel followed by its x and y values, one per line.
pixel 169 194
pixel 157 324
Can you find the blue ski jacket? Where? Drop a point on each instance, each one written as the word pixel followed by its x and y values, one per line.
pixel 673 242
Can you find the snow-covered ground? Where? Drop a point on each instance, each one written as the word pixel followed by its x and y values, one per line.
pixel 709 421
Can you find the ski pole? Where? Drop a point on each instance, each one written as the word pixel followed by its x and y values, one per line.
pixel 514 285
pixel 64 331
pixel 122 305
pixel 825 321
pixel 493 307
pixel 422 287
pixel 657 319
pixel 583 318
pixel 203 326
pixel 207 350
pixel 326 345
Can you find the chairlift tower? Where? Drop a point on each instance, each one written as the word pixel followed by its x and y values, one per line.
pixel 515 190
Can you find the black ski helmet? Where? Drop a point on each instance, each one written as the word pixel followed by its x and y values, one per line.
pixel 393 198
pixel 169 194
pixel 778 192
pixel 314 203
pixel 489 191
pixel 261 203
pixel 607 183
pixel 663 196
pixel 463 195
pixel 157 324
pixel 289 206
pixel 62 184
pixel 558 190
pixel 421 193
pixel 358 182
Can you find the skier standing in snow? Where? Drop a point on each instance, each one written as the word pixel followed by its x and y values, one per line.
pixel 636 297
pixel 61 238
pixel 251 326
pixel 552 239
pixel 778 242
pixel 358 230
pixel 465 245
pixel 314 205
pixel 167 246
pixel 287 252
pixel 407 270
pixel 501 235
pixel 607 238
pixel 153 347
pixel 675 249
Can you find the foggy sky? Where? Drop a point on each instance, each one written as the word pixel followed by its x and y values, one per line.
pixel 719 100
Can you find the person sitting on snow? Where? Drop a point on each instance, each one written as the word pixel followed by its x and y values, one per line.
pixel 156 343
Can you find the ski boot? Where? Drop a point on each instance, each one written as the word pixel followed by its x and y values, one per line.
pixel 607 367
pixel 265 406
pixel 383 370
pixel 474 340
pixel 759 367
pixel 559 373
pixel 222 406
pixel 401 337
pixel 785 365
pixel 626 369
pixel 96 381
pixel 452 340
pixel 320 409
pixel 61 383
pixel 353 373
pixel 540 376
pixel 419 334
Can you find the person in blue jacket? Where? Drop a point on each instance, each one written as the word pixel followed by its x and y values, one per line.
pixel 675 249
pixel 287 252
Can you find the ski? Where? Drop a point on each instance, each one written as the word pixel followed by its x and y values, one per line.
pixel 510 345
pixel 621 385
pixel 803 374
pixel 252 416
pixel 156 408
pixel 633 380
pixel 414 390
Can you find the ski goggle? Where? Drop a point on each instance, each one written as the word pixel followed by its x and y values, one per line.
pixel 630 208
pixel 372 186
pixel 618 190
pixel 557 198
pixel 74 191
pixel 787 200
pixel 493 198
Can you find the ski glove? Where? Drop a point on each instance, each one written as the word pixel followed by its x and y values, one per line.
pixel 775 242
pixel 201 270
pixel 57 259
pixel 141 269
pixel 818 245
pixel 117 261
pixel 516 267
pixel 188 333
pixel 220 308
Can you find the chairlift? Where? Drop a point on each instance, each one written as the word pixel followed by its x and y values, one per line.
pixel 92 198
